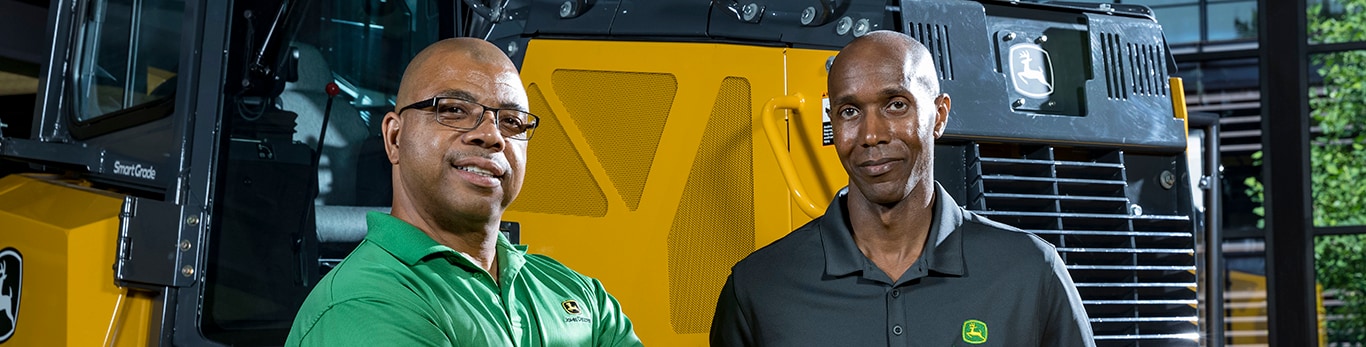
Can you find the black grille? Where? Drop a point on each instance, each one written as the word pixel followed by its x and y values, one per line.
pixel 1113 52
pixel 1150 69
pixel 1135 271
pixel 935 37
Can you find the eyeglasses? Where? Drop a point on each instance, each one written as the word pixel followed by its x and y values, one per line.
pixel 465 115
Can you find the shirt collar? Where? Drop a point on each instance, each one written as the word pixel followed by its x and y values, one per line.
pixel 411 246
pixel 842 256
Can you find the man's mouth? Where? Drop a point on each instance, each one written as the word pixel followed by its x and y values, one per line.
pixel 877 162
pixel 877 167
pixel 478 171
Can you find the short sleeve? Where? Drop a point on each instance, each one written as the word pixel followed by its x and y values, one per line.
pixel 613 327
pixel 1066 323
pixel 729 327
pixel 362 322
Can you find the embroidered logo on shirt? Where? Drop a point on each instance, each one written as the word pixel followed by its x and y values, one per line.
pixel 571 306
pixel 974 332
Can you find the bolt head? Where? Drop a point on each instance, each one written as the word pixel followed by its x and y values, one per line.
pixel 1018 102
pixel 845 23
pixel 862 27
pixel 185 245
pixel 187 270
pixel 808 15
pixel 1168 179
pixel 1135 210
pixel 192 220
pixel 749 11
pixel 1009 36
pixel 1041 39
pixel 566 9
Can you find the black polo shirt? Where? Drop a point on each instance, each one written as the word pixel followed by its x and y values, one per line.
pixel 978 283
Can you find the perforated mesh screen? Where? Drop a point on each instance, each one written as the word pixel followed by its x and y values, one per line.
pixel 622 115
pixel 557 180
pixel 714 227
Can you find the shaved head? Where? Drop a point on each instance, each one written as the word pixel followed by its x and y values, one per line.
pixel 464 51
pixel 891 47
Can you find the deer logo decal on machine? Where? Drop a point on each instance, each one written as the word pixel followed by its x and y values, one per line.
pixel 1031 71
pixel 11 281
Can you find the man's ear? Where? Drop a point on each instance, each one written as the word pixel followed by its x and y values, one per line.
pixel 390 128
pixel 941 116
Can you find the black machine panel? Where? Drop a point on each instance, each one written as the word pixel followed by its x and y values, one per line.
pixel 1062 73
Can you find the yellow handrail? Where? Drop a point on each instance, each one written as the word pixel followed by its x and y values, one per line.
pixel 775 139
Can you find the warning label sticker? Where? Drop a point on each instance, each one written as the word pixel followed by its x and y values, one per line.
pixel 827 130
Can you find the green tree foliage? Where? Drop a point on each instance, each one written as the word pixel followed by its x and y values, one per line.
pixel 1338 162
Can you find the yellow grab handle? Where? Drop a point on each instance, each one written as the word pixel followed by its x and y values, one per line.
pixel 775 139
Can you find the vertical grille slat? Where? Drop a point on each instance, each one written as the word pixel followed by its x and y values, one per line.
pixel 1135 272
pixel 935 37
pixel 1146 65
pixel 1113 54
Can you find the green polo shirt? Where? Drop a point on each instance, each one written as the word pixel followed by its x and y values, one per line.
pixel 401 288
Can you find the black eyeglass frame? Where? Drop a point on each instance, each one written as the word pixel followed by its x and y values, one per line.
pixel 532 121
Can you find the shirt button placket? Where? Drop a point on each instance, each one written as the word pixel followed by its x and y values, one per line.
pixel 896 318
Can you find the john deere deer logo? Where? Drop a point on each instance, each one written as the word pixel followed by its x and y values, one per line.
pixel 1031 70
pixel 571 306
pixel 11 281
pixel 974 332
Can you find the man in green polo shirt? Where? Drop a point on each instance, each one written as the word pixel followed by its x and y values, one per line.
pixel 436 272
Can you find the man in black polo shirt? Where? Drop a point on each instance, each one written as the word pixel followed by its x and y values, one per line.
pixel 895 261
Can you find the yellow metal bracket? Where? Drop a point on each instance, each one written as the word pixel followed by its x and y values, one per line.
pixel 775 139
pixel 1179 102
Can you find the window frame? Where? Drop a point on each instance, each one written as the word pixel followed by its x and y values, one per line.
pixel 88 44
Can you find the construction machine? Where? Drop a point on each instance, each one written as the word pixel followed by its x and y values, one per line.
pixel 195 166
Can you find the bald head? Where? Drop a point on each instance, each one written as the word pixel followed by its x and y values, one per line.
pixel 889 47
pixel 460 53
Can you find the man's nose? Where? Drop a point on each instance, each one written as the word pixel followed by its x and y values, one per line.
pixel 874 128
pixel 486 133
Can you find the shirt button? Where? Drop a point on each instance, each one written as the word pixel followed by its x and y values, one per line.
pixel 896 330
pixel 896 293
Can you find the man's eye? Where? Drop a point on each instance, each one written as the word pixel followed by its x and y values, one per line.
pixel 897 105
pixel 454 109
pixel 848 112
pixel 512 123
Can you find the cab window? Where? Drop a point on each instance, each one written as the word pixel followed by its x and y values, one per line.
pixel 129 55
